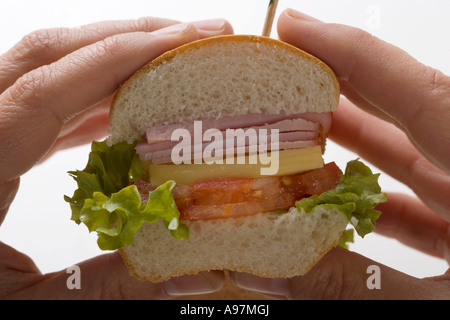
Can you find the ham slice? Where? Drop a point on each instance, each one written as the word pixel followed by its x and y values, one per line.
pixel 286 129
pixel 294 131
pixel 163 133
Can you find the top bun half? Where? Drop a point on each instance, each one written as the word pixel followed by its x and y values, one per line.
pixel 225 75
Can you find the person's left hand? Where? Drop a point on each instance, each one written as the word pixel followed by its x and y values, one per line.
pixel 56 87
pixel 379 121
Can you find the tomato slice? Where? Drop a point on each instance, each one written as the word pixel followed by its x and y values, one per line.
pixel 233 197
pixel 222 190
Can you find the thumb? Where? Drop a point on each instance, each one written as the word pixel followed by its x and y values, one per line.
pixel 104 277
pixel 342 274
pixel 107 277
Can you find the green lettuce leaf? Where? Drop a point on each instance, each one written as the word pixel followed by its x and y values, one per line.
pixel 356 195
pixel 347 237
pixel 107 202
pixel 116 219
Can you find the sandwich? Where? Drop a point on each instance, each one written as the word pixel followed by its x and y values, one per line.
pixel 215 162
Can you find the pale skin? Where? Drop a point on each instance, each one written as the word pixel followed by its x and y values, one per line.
pixel 388 117
pixel 42 113
pixel 395 114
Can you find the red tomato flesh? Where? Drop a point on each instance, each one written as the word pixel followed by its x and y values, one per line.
pixel 233 197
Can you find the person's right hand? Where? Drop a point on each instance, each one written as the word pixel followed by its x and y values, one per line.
pixel 55 91
pixel 398 118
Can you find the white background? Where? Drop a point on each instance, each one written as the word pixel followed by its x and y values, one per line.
pixel 38 222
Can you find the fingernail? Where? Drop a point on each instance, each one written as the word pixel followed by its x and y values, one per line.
pixel 174 29
pixel 300 15
pixel 272 286
pixel 210 25
pixel 201 283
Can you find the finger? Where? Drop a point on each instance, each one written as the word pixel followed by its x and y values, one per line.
pixel 103 277
pixel 84 128
pixel 342 274
pixel 73 124
pixel 275 287
pixel 8 191
pixel 212 27
pixel 114 282
pixel 16 271
pixel 351 94
pixel 417 97
pixel 388 148
pixel 41 101
pixel 92 128
pixel 34 109
pixel 90 125
pixel 45 46
pixel 411 222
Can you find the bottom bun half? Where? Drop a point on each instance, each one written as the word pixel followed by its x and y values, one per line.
pixel 273 245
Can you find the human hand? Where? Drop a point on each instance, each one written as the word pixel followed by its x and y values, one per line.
pixel 397 117
pixel 56 87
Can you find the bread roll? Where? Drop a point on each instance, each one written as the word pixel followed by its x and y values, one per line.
pixel 228 75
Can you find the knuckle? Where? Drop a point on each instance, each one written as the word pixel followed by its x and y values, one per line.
pixel 30 83
pixel 99 52
pixel 328 280
pixel 107 47
pixel 149 24
pixel 146 23
pixel 110 44
pixel 331 284
pixel 38 38
pixel 438 83
pixel 363 39
pixel 366 42
pixel 41 43
pixel 434 95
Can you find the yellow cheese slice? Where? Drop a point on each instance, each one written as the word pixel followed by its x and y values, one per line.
pixel 290 161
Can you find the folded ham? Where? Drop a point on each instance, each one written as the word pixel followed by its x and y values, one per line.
pixel 292 131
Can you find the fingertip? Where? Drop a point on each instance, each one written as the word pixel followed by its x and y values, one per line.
pixel 345 275
pixel 176 29
pixel 270 286
pixel 201 283
pixel 197 29
pixel 292 13
pixel 283 24
pixel 228 28
pixel 213 27
pixel 293 25
pixel 8 191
